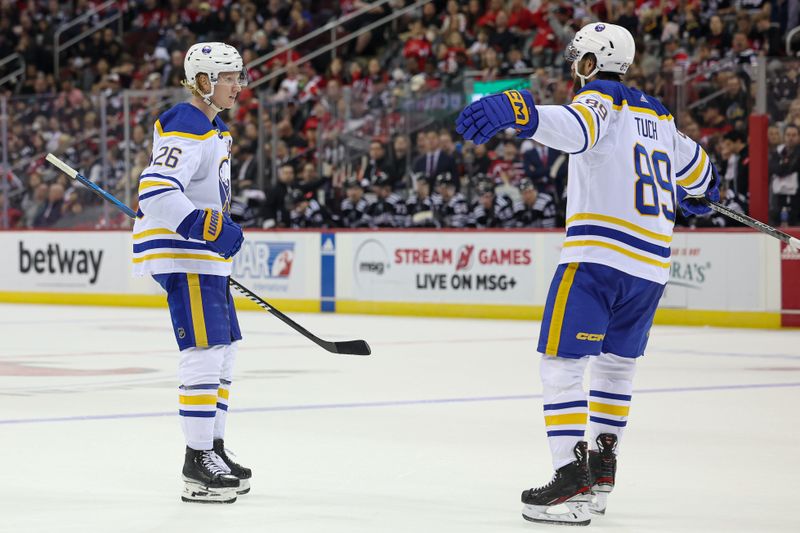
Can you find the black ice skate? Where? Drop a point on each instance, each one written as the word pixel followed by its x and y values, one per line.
pixel 602 469
pixel 570 486
pixel 234 468
pixel 205 478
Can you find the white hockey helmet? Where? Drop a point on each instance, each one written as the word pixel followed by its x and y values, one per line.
pixel 612 46
pixel 212 59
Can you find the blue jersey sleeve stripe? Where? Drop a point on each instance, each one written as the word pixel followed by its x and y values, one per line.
pixel 691 163
pixel 168 243
pixel 621 236
pixel 583 129
pixel 163 177
pixel 222 406
pixel 146 195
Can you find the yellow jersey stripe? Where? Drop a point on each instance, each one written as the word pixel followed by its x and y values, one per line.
pixel 619 249
pixel 200 257
pixel 567 419
pixel 606 408
pixel 151 232
pixel 202 399
pixel 559 308
pixel 198 316
pixel 620 222
pixel 590 121
pixel 690 180
pixel 191 136
pixel 618 107
pixel 223 393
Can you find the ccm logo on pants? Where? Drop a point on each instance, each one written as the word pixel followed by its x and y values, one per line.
pixel 590 336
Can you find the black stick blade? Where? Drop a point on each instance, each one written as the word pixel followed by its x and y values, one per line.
pixel 353 347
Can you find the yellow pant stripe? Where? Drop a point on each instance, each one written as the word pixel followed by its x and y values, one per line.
pixel 560 306
pixel 568 419
pixel 616 410
pixel 620 222
pixel 223 393
pixel 619 249
pixel 198 317
pixel 690 180
pixel 202 399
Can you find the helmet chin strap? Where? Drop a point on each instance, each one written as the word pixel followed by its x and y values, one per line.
pixel 207 99
pixel 584 78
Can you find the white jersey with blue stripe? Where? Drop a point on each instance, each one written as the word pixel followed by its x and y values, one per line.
pixel 189 169
pixel 627 157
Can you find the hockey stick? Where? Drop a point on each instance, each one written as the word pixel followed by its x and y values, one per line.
pixel 357 347
pixel 753 223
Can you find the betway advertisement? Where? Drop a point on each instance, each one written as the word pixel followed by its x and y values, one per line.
pixel 489 268
pixel 65 261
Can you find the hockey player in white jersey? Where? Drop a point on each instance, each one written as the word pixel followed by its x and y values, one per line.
pixel 184 237
pixel 629 169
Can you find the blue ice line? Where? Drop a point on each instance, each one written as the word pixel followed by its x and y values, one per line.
pixel 389 403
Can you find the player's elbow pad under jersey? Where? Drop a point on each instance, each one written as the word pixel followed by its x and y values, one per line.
pixel 572 128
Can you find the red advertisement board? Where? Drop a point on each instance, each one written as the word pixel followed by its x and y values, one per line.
pixel 790 284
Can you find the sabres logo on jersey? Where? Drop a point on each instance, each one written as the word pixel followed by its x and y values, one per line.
pixel 225 184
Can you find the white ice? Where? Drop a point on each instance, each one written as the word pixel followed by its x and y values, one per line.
pixel 438 431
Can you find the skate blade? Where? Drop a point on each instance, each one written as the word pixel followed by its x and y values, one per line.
pixel 577 514
pixel 194 492
pixel 244 487
pixel 599 503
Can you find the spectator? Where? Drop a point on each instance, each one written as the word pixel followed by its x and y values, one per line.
pixel 433 161
pixel 388 209
pixel 398 163
pixel 275 213
pixel 491 210
pixel 353 209
pixel 377 163
pixel 306 212
pixel 784 178
pixel 51 212
pixel 510 169
pixel 421 206
pixel 535 209
pixel 735 167
pixel 452 209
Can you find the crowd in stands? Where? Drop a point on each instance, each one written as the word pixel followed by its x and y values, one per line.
pixel 352 146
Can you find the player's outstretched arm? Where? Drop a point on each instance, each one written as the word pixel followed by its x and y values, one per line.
pixel 483 119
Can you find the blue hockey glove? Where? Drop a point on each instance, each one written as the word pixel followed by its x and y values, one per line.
pixel 222 234
pixel 692 205
pixel 481 120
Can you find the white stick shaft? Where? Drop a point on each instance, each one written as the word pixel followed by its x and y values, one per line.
pixel 65 168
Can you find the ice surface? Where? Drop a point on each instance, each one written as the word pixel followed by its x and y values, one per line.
pixel 438 431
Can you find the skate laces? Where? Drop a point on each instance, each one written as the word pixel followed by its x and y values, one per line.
pixel 214 463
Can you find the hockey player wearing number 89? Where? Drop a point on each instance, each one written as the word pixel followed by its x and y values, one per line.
pixel 629 169
pixel 184 237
